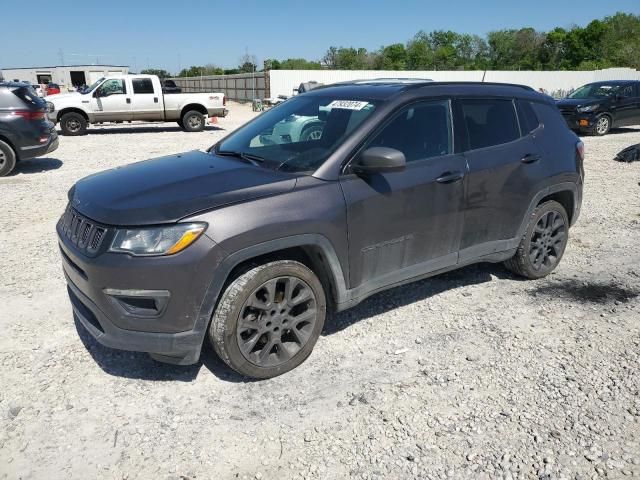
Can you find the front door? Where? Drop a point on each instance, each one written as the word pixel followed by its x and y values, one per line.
pixel 404 224
pixel 111 102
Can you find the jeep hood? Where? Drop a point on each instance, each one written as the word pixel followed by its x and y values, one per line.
pixel 166 189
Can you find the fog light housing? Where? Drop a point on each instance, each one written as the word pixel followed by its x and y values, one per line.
pixel 139 303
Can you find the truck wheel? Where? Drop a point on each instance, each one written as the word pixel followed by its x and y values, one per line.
pixel 268 319
pixel 543 243
pixel 73 124
pixel 602 126
pixel 7 159
pixel 179 122
pixel 193 121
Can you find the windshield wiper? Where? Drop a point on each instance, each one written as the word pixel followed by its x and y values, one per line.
pixel 247 157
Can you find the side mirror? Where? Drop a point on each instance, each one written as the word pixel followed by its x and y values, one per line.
pixel 380 160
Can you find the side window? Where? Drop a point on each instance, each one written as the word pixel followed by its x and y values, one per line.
pixel 528 119
pixel 115 86
pixel 142 85
pixel 420 131
pixel 489 121
pixel 627 91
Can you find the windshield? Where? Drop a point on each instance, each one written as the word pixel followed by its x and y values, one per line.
pixel 595 90
pixel 299 134
pixel 93 85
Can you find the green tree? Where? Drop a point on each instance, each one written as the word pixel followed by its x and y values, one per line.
pixel 197 71
pixel 156 71
pixel 392 57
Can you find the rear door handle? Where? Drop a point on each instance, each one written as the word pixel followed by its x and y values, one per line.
pixel 128 100
pixel 450 177
pixel 530 158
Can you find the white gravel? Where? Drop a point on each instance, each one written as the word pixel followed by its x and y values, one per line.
pixel 473 374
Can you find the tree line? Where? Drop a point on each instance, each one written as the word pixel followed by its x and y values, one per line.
pixel 613 41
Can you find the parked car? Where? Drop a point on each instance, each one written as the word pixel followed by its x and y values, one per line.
pixel 252 244
pixel 25 131
pixel 133 97
pixel 169 86
pixel 595 108
pixel 53 89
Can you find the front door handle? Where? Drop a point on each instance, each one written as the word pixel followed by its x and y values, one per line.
pixel 128 100
pixel 450 177
pixel 155 99
pixel 530 158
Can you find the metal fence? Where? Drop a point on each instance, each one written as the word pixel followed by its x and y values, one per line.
pixel 241 87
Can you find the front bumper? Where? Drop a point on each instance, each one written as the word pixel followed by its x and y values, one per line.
pixel 173 333
pixel 583 122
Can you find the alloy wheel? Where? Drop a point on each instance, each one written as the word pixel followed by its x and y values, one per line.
pixel 602 125
pixel 276 321
pixel 194 121
pixel 73 125
pixel 547 240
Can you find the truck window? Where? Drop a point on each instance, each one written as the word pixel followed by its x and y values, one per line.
pixel 142 85
pixel 113 86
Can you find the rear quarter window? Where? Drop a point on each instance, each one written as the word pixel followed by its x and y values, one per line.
pixel 29 96
pixel 489 121
pixel 528 118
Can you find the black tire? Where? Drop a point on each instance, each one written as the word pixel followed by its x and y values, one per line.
pixel 73 124
pixel 543 244
pixel 602 125
pixel 7 159
pixel 261 334
pixel 311 132
pixel 193 121
pixel 179 122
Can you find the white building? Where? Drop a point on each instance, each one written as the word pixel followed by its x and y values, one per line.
pixel 66 76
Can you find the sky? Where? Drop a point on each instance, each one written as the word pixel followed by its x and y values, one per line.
pixel 176 34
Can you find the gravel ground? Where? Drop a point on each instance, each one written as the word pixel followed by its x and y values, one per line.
pixel 473 374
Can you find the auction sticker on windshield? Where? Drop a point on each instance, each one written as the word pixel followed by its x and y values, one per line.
pixel 348 104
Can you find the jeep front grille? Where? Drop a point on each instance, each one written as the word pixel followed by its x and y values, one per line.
pixel 85 234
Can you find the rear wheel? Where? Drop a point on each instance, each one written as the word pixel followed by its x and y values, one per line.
pixel 7 159
pixel 73 124
pixel 179 122
pixel 193 121
pixel 269 319
pixel 312 133
pixel 543 243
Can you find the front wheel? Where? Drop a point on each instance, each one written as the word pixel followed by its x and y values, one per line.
pixel 269 319
pixel 602 126
pixel 73 124
pixel 543 243
pixel 193 121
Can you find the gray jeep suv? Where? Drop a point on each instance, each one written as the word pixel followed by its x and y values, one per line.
pixel 253 242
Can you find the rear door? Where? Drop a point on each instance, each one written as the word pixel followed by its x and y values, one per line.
pixel 505 169
pixel 112 101
pixel 147 104
pixel 626 107
pixel 404 224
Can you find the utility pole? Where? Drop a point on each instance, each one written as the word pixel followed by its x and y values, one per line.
pixel 61 55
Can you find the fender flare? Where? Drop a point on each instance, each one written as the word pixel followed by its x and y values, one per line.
pixel 558 187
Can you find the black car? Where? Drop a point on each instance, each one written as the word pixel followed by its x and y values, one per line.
pixel 596 108
pixel 25 131
pixel 169 86
pixel 253 242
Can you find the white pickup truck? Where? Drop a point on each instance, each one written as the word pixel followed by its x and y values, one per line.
pixel 126 98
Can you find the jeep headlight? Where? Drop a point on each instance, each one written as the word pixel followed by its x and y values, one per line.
pixel 588 108
pixel 151 241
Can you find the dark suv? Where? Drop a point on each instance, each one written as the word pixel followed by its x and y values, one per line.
pixel 596 108
pixel 25 131
pixel 254 241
